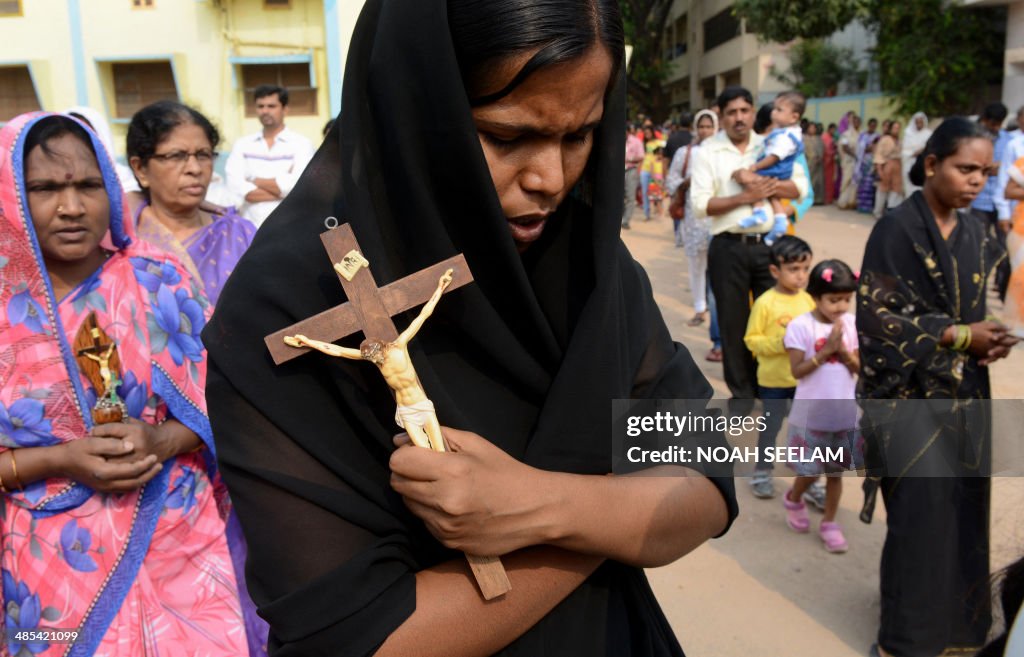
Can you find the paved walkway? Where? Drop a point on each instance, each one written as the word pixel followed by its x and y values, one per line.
pixel 763 590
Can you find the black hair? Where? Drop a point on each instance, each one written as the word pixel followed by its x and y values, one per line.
pixel 82 119
pixel 763 118
pixel 153 123
pixel 944 142
pixel 265 90
pixel 686 120
pixel 873 120
pixel 796 99
pixel 705 116
pixel 994 112
pixel 51 128
pixel 1012 599
pixel 730 94
pixel 831 277
pixel 831 125
pixel 789 248
pixel 485 32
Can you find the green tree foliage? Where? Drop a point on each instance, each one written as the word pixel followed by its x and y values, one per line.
pixel 817 68
pixel 645 22
pixel 938 59
pixel 933 55
pixel 786 20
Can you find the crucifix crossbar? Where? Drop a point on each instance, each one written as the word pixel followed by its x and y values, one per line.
pixel 369 309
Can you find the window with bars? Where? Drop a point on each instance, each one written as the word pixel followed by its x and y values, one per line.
pixel 143 3
pixel 293 77
pixel 679 47
pixel 17 93
pixel 720 28
pixel 139 84
pixel 10 7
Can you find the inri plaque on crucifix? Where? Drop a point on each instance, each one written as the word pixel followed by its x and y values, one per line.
pixel 369 309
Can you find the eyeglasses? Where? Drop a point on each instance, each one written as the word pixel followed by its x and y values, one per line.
pixel 179 158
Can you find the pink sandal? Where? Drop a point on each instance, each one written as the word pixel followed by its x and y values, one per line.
pixel 796 514
pixel 832 535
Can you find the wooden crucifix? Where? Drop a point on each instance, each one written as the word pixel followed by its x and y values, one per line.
pixel 369 309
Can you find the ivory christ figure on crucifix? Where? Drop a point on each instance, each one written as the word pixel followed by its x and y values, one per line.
pixel 415 412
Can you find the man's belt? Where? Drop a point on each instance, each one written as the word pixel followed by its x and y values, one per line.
pixel 745 238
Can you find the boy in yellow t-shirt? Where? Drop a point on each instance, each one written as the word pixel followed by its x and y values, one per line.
pixel 771 313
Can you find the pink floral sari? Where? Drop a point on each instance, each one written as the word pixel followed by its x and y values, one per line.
pixel 143 573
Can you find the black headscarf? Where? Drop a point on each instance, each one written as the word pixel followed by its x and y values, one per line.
pixel 528 356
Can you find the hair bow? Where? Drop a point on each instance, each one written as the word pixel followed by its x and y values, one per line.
pixel 826 274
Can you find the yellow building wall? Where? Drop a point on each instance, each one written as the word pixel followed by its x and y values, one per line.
pixel 40 37
pixel 830 110
pixel 187 33
pixel 252 31
pixel 348 13
pixel 198 36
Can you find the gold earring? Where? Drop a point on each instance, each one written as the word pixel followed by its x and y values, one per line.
pixel 929 174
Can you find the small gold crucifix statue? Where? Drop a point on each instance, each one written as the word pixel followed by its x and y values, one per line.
pixel 97 357
pixel 369 309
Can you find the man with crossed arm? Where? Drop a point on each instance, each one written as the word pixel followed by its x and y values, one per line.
pixel 264 166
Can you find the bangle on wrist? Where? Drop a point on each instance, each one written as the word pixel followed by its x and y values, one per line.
pixel 814 359
pixel 961 337
pixel 14 470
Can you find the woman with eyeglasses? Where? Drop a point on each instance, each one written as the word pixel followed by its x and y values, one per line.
pixel 171 149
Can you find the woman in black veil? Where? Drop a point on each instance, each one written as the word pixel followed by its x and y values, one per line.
pixel 493 129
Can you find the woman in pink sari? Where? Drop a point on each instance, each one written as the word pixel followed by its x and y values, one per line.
pixel 115 530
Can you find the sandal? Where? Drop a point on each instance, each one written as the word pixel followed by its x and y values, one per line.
pixel 698 319
pixel 832 535
pixel 714 356
pixel 796 515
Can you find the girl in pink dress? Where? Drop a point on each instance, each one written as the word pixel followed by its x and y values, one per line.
pixel 114 530
pixel 825 358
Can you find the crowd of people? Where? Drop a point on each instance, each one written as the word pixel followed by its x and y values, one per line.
pixel 163 479
pixel 945 200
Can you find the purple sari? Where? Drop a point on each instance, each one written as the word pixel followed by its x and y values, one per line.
pixel 211 253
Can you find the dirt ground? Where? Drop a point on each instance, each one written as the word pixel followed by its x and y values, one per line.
pixel 762 589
